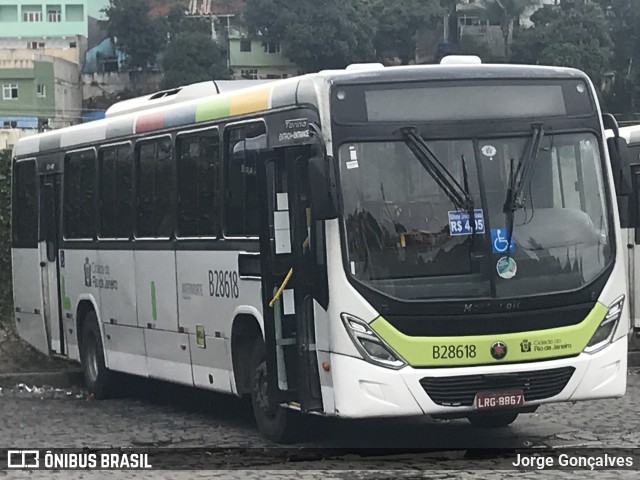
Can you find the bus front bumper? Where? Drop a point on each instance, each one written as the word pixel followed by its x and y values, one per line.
pixel 361 389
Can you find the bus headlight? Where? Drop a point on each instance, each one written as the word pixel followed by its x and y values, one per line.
pixel 602 337
pixel 369 344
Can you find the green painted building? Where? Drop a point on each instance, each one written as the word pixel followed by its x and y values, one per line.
pixel 38 91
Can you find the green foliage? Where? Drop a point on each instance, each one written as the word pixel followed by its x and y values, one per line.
pixel 192 57
pixel 5 234
pixel 315 34
pixel 574 35
pixel 397 24
pixel 507 13
pixel 178 22
pixel 139 36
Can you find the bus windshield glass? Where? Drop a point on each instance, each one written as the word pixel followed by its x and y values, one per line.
pixel 407 239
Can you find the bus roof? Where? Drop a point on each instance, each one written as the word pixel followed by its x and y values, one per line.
pixel 203 104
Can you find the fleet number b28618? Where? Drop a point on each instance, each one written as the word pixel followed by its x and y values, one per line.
pixel 443 352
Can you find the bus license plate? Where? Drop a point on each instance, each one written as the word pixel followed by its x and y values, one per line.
pixel 485 400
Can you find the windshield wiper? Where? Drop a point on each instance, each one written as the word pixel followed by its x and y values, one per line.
pixel 458 195
pixel 519 178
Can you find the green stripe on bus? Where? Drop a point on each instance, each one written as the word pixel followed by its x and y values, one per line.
pixel 476 350
pixel 154 303
pixel 213 109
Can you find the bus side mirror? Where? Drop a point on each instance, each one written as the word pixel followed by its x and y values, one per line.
pixel 324 188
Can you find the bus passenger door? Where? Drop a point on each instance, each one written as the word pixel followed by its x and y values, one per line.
pixel 50 195
pixel 287 280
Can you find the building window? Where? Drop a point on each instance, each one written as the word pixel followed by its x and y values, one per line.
pixel 41 90
pixel 79 189
pixel 198 184
pixel 9 92
pixel 154 172
pixel 271 47
pixel 35 45
pixel 242 202
pixel 73 44
pixel 54 15
pixel 245 45
pixel 32 16
pixel 9 124
pixel 249 73
pixel 271 76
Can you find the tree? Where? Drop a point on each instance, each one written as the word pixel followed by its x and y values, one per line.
pixel 574 34
pixel 315 34
pixel 624 20
pixel 507 12
pixel 397 25
pixel 192 57
pixel 139 36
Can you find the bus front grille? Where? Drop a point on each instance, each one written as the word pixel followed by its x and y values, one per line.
pixel 460 391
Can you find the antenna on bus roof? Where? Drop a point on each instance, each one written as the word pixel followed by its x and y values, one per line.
pixel 461 60
pixel 180 94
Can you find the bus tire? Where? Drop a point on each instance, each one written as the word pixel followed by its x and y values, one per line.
pixel 275 423
pixel 493 420
pixel 97 378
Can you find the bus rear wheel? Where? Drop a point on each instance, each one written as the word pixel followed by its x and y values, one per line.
pixel 275 423
pixel 97 378
pixel 492 420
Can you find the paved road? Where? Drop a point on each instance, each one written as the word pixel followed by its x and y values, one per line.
pixel 152 414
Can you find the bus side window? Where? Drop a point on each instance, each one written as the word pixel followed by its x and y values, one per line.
pixel 79 195
pixel 244 146
pixel 155 180
pixel 25 223
pixel 198 184
pixel 115 191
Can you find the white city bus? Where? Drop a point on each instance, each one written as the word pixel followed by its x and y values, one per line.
pixel 369 242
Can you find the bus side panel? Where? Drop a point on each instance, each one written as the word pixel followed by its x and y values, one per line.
pixel 211 294
pixel 79 276
pixel 118 297
pixel 27 297
pixel 168 354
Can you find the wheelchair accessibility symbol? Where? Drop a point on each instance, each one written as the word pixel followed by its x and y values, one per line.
pixel 499 241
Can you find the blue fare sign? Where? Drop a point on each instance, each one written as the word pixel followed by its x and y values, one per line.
pixel 460 224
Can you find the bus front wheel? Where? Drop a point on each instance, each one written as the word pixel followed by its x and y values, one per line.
pixel 276 423
pixel 97 378
pixel 493 420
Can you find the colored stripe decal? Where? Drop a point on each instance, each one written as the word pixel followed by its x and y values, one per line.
pixel 476 350
pixel 181 116
pixel 250 102
pixel 150 122
pixel 213 109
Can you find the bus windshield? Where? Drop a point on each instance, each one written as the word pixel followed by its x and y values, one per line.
pixel 405 238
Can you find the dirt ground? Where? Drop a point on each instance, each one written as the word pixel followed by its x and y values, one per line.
pixel 16 356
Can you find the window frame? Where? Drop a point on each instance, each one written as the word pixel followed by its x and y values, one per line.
pixel 220 193
pixel 174 205
pixel 99 234
pixel 32 16
pixel 9 87
pixel 243 43
pixel 225 165
pixel 63 215
pixel 54 14
pixel 41 90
